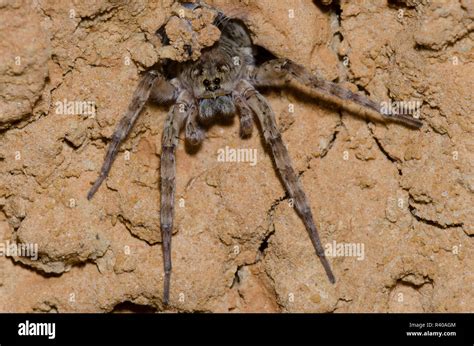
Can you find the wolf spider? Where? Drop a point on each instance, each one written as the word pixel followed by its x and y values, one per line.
pixel 222 82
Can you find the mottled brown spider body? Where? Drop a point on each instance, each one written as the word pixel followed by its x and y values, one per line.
pixel 213 79
pixel 222 83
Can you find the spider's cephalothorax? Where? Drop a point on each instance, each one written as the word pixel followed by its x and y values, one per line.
pixel 224 82
pixel 214 77
pixel 212 80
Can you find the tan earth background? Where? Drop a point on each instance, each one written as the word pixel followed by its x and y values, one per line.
pixel 406 196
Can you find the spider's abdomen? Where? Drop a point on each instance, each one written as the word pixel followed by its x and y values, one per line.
pixel 211 108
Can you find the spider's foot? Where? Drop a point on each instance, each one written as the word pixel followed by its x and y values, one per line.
pixel 94 188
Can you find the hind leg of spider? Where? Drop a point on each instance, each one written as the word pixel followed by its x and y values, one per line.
pixel 272 136
pixel 151 81
pixel 281 72
pixel 173 124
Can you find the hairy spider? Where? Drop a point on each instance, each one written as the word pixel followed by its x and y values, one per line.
pixel 221 83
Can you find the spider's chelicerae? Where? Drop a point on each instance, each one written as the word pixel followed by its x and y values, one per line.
pixel 221 83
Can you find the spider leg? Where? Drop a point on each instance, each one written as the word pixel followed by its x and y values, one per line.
pixel 245 115
pixel 152 80
pixel 173 124
pixel 281 72
pixel 282 159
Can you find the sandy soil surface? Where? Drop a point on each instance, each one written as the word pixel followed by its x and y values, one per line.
pixel 401 199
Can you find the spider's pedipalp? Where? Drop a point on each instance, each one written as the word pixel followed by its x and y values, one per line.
pixel 194 133
pixel 173 125
pixel 245 115
pixel 151 80
pixel 272 136
pixel 282 72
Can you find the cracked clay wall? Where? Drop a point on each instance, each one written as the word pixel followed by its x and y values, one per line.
pixel 401 199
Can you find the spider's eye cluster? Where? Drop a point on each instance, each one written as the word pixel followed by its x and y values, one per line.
pixel 207 82
pixel 212 86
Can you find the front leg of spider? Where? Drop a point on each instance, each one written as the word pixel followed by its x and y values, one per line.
pixel 152 82
pixel 174 122
pixel 154 87
pixel 272 136
pixel 284 72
